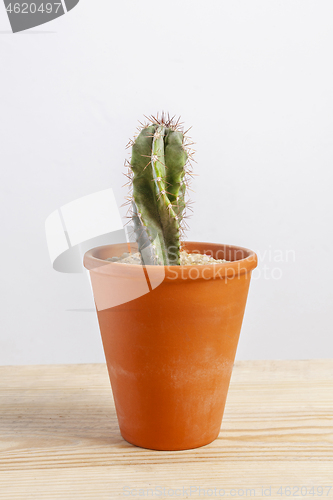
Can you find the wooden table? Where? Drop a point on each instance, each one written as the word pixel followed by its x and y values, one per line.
pixel 59 438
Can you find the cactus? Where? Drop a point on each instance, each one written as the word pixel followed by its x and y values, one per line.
pixel 158 172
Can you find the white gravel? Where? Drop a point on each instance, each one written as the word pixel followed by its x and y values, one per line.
pixel 186 259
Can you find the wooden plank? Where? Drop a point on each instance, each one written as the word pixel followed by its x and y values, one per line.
pixel 59 437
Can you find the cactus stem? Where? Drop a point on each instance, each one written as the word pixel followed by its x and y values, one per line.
pixel 157 217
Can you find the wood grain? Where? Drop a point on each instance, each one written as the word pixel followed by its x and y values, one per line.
pixel 59 437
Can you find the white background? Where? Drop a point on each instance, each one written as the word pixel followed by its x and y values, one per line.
pixel 253 78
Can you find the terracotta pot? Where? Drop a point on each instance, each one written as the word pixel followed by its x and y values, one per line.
pixel 170 336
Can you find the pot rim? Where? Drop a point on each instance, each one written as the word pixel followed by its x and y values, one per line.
pixel 228 269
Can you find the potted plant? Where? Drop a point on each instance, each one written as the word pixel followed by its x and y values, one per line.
pixel 169 330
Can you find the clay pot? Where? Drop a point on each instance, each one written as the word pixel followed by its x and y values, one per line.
pixel 170 336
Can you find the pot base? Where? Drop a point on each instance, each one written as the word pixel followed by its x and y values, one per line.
pixel 168 448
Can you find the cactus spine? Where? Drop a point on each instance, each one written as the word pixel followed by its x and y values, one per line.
pixel 158 168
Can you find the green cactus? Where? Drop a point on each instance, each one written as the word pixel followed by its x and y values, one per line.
pixel 159 166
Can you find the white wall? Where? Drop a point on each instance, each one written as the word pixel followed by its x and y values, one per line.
pixel 255 80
